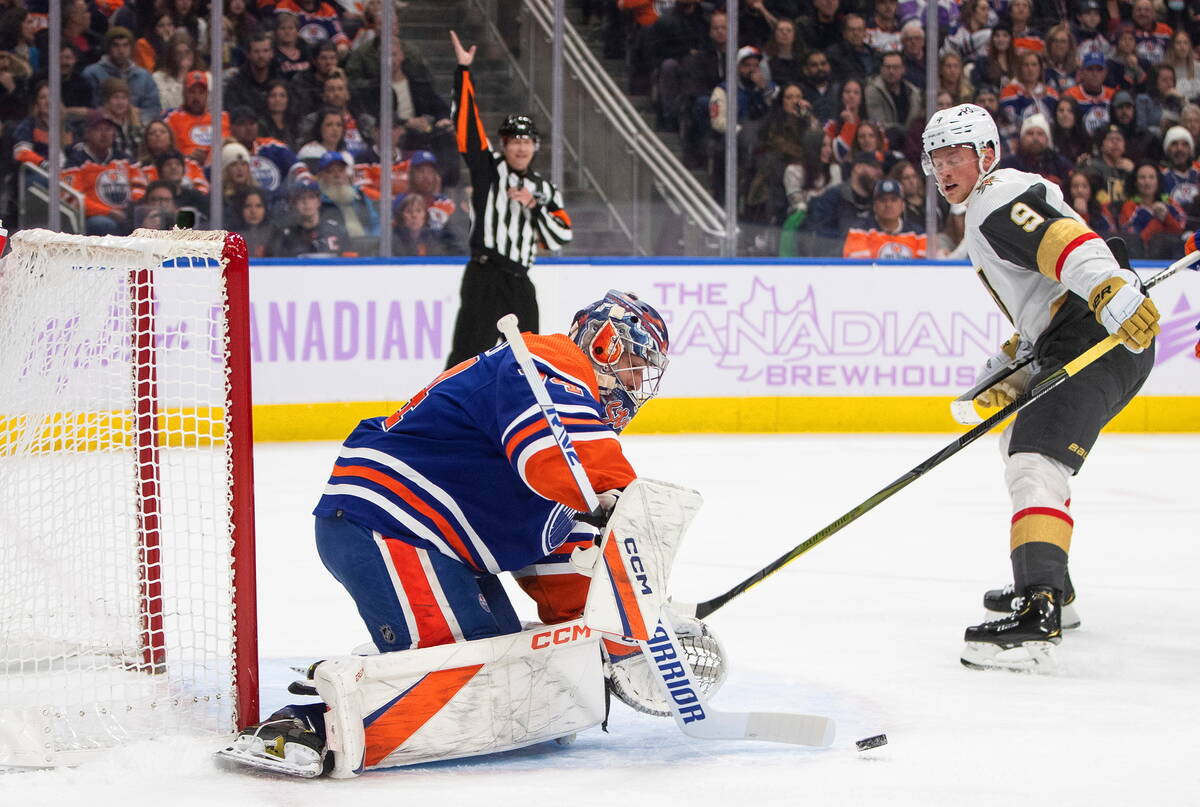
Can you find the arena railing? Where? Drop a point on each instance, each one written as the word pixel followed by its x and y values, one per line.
pixel 615 152
pixel 33 183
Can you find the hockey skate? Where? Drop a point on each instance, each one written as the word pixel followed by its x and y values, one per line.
pixel 286 746
pixel 1021 641
pixel 1006 600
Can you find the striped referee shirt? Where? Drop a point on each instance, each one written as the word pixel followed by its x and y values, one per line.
pixel 501 226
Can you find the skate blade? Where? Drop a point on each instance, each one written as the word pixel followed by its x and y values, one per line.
pixel 1070 617
pixel 1030 657
pixel 262 762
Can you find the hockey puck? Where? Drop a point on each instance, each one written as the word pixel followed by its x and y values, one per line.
pixel 867 743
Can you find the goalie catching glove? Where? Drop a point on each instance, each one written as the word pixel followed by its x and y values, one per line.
pixel 631 680
pixel 1007 389
pixel 1125 313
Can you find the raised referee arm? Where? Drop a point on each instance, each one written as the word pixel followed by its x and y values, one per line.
pixel 468 127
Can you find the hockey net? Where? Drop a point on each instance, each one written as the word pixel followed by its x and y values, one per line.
pixel 126 527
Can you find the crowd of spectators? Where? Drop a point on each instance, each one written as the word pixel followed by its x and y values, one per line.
pixel 302 161
pixel 1100 96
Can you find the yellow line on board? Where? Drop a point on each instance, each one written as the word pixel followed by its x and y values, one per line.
pixel 202 427
pixel 333 421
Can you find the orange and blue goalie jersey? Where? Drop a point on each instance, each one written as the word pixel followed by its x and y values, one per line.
pixel 469 467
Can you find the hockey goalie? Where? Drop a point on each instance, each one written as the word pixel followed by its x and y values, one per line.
pixel 426 507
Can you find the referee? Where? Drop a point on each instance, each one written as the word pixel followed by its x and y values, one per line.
pixel 514 210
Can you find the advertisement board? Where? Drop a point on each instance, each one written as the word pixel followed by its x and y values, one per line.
pixel 808 339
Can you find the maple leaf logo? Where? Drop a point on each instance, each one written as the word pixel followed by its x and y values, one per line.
pixel 1178 331
pixel 760 329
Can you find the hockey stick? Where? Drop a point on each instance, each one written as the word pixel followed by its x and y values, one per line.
pixel 662 651
pixel 1052 381
pixel 963 409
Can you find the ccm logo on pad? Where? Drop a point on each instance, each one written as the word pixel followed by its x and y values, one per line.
pixel 635 563
pixel 563 635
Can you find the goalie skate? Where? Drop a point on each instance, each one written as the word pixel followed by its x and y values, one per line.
pixel 1006 600
pixel 280 746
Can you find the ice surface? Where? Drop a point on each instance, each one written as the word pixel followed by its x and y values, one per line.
pixel 865 628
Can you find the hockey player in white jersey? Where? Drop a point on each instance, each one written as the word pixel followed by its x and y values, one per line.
pixel 1061 287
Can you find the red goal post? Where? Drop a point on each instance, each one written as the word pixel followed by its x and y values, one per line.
pixel 127 595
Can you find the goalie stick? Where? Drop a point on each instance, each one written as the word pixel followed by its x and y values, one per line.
pixel 963 408
pixel 1074 367
pixel 665 657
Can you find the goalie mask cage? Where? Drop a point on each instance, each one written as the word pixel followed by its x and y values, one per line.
pixel 127 606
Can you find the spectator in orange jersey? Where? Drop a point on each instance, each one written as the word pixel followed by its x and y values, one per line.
pixel 1091 95
pixel 107 179
pixel 192 123
pixel 885 234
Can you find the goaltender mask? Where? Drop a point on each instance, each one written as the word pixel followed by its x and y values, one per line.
pixel 1062 288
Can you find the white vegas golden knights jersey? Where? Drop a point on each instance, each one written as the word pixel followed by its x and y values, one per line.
pixel 1030 248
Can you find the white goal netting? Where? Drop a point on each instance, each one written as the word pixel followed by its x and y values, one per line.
pixel 117 595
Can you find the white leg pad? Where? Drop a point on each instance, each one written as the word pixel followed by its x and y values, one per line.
pixel 461 700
